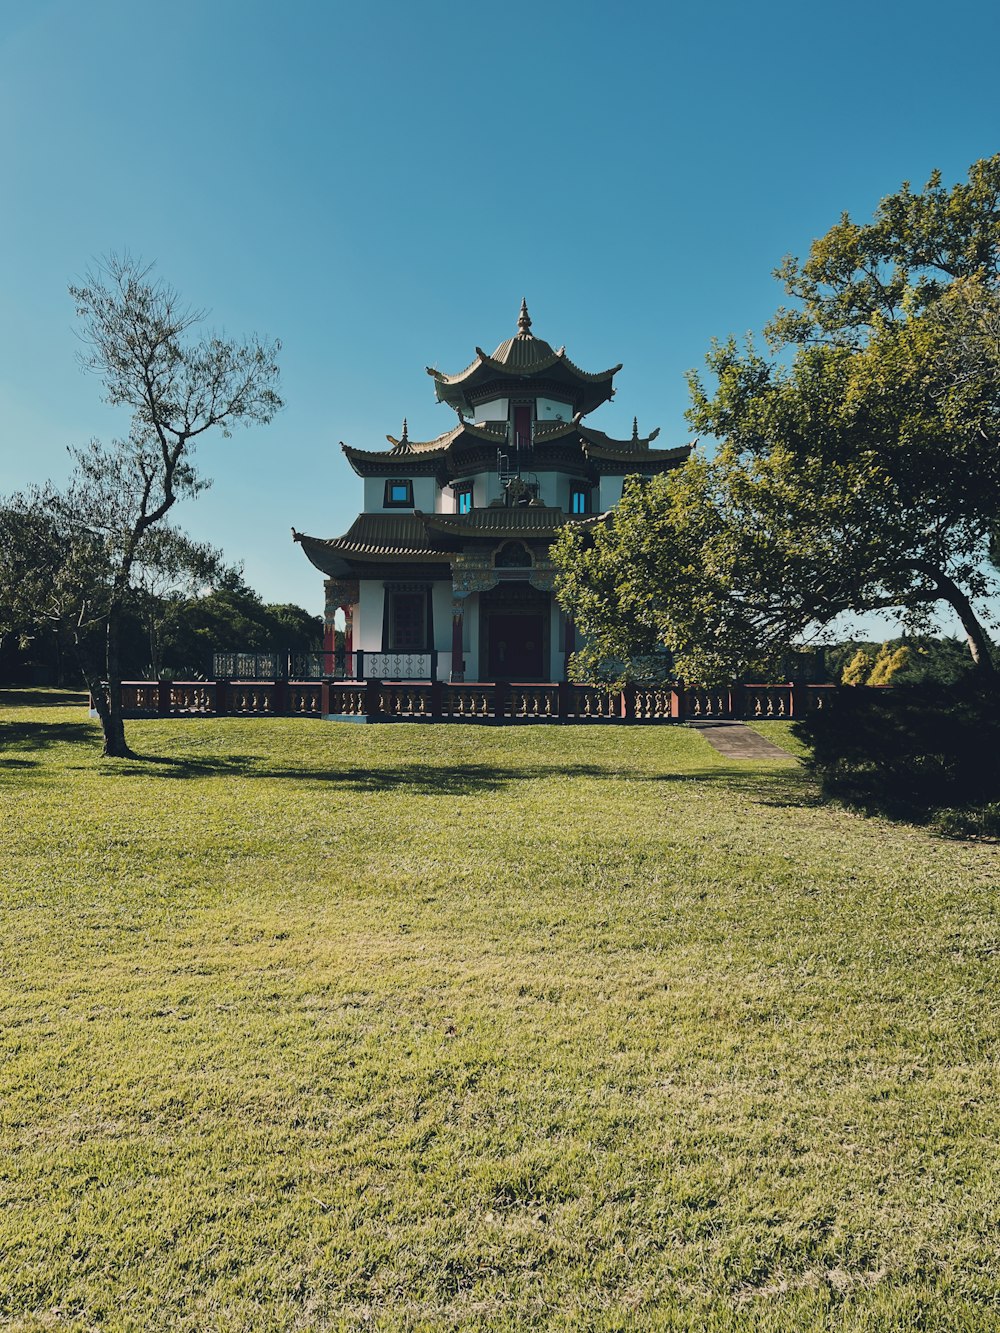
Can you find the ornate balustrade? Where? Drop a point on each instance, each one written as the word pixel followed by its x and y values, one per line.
pixel 345 701
pixel 590 705
pixel 413 702
pixel 195 698
pixel 533 703
pixel 653 705
pixel 471 701
pixel 141 698
pixel 304 698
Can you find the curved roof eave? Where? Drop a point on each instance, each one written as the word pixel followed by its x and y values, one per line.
pixel 521 371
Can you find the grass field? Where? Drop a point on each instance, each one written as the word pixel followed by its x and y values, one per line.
pixel 319 1026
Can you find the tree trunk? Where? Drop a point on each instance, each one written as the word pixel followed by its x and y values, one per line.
pixel 948 590
pixel 115 744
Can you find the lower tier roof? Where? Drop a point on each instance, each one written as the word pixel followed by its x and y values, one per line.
pixel 420 538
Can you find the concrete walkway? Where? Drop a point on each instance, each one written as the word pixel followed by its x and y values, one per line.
pixel 736 741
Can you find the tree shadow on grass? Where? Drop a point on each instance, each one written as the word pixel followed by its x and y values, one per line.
pixel 47 697
pixel 436 779
pixel 27 738
pixel 771 787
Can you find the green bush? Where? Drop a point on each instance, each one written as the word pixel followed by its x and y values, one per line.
pixel 909 751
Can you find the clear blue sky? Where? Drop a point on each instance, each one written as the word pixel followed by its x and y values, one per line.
pixel 378 184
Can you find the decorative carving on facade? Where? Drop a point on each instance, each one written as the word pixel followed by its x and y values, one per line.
pixel 543 577
pixel 340 592
pixel 472 573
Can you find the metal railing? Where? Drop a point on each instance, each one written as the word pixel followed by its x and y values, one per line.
pixel 322 664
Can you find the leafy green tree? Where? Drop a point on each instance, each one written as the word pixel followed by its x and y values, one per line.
pixel 668 574
pixel 170 569
pixel 859 466
pixel 234 619
pixel 858 669
pixel 889 663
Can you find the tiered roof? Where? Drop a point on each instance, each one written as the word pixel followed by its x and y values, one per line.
pixel 523 365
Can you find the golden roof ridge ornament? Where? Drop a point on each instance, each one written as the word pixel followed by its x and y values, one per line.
pixel 524 321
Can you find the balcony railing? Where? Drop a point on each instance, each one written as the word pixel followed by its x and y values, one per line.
pixel 324 665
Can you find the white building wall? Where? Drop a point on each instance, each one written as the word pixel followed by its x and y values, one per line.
pixel 441 604
pixel 487 489
pixel 368 616
pixel 611 492
pixel 496 410
pixel 425 491
pixel 552 409
pixel 553 489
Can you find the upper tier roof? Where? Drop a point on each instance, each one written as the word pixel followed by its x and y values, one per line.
pixel 517 361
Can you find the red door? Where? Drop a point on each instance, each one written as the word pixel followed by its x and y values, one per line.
pixel 522 426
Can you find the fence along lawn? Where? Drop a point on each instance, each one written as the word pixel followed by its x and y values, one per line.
pixel 318 1027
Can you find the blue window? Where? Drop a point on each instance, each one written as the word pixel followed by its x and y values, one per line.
pixel 579 499
pixel 464 498
pixel 398 495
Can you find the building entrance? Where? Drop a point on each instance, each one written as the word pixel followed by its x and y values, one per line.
pixel 516 646
pixel 515 634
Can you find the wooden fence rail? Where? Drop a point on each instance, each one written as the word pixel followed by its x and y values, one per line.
pixel 487 701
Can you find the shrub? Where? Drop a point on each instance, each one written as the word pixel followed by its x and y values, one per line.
pixel 909 751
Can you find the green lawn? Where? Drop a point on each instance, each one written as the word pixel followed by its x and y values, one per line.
pixel 318 1026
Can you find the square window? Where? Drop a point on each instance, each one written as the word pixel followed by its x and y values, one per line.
pixel 398 495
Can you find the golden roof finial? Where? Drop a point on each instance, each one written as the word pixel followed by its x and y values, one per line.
pixel 524 320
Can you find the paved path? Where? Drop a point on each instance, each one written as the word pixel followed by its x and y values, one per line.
pixel 736 741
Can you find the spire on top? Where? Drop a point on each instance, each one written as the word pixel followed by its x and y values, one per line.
pixel 635 428
pixel 524 320
pixel 405 438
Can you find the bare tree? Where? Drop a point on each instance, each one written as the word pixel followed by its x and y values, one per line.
pixel 137 338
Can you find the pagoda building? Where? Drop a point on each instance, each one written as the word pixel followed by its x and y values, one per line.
pixel 447 574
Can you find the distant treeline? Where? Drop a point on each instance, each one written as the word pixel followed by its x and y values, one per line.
pixel 907 660
pixel 172 636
